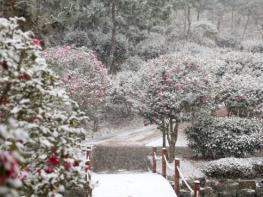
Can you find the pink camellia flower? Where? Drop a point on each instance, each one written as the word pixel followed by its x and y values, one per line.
pixel 204 99
pixel 67 165
pixel 36 42
pixel 179 87
pixel 23 175
pixel 9 167
pixel 53 160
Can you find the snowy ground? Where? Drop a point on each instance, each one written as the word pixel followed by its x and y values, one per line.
pixel 144 136
pixel 131 185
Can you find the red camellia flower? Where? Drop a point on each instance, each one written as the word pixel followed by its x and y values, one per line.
pixel 49 170
pixel 8 167
pixel 36 42
pixel 53 160
pixel 24 77
pixel 4 65
pixel 76 163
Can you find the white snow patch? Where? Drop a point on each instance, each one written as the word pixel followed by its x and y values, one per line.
pixel 131 185
pixel 181 141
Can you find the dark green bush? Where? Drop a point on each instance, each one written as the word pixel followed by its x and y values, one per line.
pixel 214 137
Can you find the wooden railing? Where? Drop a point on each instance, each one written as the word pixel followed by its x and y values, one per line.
pixel 177 172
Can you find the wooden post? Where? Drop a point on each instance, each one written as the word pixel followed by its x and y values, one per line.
pixel 154 153
pixel 176 177
pixel 88 162
pixel 164 154
pixel 197 189
pixel 88 153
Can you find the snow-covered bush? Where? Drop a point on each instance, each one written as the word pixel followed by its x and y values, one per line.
pixel 151 47
pixel 86 79
pixel 204 32
pixel 254 46
pixel 214 137
pixel 102 45
pixel 133 63
pixel 44 122
pixel 235 168
pixel 123 97
pixel 240 83
pixel 226 41
pixel 172 88
pixel 77 38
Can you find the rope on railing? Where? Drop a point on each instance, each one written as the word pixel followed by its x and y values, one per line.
pixel 177 173
pixel 183 178
pixel 167 163
pixel 155 156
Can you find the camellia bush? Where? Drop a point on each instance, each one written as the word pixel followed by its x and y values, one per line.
pixel 219 137
pixel 39 125
pixel 171 89
pixel 85 77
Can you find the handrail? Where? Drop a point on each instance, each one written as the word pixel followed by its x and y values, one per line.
pixel 167 163
pixel 183 178
pixel 177 173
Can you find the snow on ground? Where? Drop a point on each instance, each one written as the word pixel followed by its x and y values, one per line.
pixel 191 168
pixel 182 141
pixel 131 185
pixel 144 136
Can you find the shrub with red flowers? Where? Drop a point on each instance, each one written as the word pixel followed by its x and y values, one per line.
pixel 8 166
pixel 40 130
pixel 85 77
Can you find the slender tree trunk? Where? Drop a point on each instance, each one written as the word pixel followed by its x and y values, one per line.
pixel 198 14
pixel 232 18
pixel 218 23
pixel 245 27
pixel 95 124
pixel 164 134
pixel 185 21
pixel 188 22
pixel 174 136
pixel 113 37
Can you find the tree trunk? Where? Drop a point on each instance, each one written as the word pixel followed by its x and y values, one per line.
pixel 174 136
pixel 113 37
pixel 95 125
pixel 185 21
pixel 245 27
pixel 164 134
pixel 232 18
pixel 188 22
pixel 198 14
pixel 164 139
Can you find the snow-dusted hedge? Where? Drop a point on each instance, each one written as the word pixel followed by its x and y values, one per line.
pixel 235 168
pixel 225 137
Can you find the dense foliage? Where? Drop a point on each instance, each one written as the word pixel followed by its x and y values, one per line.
pixel 39 125
pixel 85 78
pixel 225 137
pixel 235 168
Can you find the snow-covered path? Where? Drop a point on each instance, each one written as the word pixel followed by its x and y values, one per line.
pixel 131 185
pixel 144 136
